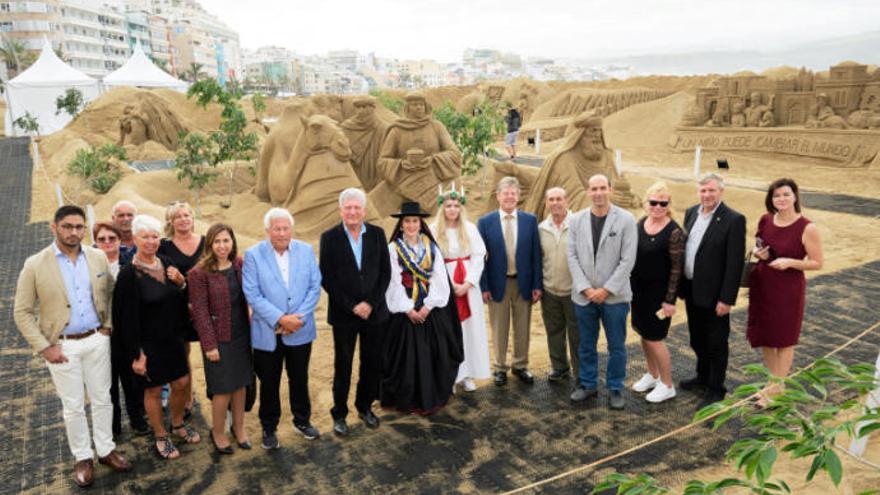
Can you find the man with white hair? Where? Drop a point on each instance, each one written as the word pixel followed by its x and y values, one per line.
pixel 355 272
pixel 713 266
pixel 282 284
pixel 123 213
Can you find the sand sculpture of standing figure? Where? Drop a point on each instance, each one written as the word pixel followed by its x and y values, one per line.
pixel 132 127
pixel 581 155
pixel 417 156
pixel 365 134
pixel 149 119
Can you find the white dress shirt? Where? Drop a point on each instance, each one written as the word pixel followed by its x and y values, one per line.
pixel 695 237
pixel 283 261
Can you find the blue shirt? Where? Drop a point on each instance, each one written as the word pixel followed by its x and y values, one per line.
pixel 78 285
pixel 357 247
pixel 126 254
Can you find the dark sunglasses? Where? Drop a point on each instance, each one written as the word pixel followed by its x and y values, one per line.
pixel 658 203
pixel 107 239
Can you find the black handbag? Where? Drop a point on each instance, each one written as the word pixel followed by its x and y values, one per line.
pixel 748 266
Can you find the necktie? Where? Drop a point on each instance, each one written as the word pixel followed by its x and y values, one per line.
pixel 509 245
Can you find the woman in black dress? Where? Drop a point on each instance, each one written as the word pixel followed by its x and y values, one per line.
pixel 423 344
pixel 220 315
pixel 184 248
pixel 654 281
pixel 149 311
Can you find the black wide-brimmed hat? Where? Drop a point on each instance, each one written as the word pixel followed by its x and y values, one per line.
pixel 410 209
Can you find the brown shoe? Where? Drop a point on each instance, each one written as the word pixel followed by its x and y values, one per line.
pixel 84 473
pixel 116 462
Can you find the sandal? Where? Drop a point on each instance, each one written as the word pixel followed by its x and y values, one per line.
pixel 168 450
pixel 190 435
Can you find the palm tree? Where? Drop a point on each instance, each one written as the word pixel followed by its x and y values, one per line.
pixel 13 51
pixel 158 62
pixel 194 73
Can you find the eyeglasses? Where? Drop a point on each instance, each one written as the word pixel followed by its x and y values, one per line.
pixel 112 238
pixel 664 204
pixel 78 228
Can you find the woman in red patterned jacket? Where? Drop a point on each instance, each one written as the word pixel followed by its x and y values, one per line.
pixel 220 316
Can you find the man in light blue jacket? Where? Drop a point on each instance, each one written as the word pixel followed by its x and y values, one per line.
pixel 282 284
pixel 602 246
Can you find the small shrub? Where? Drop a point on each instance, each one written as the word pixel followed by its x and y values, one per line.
pixel 98 166
pixel 71 102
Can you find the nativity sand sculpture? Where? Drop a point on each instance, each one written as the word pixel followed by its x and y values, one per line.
pixel 417 156
pixel 365 133
pixel 149 119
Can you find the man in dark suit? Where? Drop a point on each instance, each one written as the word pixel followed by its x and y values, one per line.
pixel 513 278
pixel 712 270
pixel 355 271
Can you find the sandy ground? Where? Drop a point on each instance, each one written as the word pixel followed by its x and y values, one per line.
pixel 641 132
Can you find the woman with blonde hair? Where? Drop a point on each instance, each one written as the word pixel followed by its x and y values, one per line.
pixel 184 248
pixel 464 252
pixel 654 280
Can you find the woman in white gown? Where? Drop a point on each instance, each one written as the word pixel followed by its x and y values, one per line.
pixel 465 253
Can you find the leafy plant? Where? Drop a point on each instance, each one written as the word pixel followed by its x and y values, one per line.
pixel 28 123
pixel 473 134
pixel 196 163
pixel 98 167
pixel 258 101
pixel 802 421
pixel 71 102
pixel 393 103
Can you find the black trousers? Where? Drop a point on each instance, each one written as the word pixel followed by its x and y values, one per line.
pixel 268 366
pixel 369 374
pixel 121 372
pixel 709 335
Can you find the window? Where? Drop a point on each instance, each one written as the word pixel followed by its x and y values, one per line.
pixel 6 26
pixel 4 7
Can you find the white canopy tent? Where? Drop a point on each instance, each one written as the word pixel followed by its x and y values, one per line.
pixel 36 89
pixel 141 71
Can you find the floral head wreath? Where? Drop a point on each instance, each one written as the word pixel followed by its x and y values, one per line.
pixel 451 194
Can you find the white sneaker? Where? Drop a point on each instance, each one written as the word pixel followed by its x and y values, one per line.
pixel 645 383
pixel 660 393
pixel 468 385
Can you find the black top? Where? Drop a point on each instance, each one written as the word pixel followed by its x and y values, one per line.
pixel 597 223
pixel 513 120
pixel 347 286
pixel 146 310
pixel 237 303
pixel 659 260
pixel 719 259
pixel 183 262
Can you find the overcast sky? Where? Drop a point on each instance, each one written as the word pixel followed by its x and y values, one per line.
pixel 442 29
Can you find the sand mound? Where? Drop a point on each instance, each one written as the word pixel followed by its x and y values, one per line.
pixel 437 96
pixel 781 72
pixel 647 124
pixel 668 83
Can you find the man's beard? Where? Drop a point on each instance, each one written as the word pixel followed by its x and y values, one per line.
pixel 593 152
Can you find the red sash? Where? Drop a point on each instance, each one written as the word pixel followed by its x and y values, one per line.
pixel 461 302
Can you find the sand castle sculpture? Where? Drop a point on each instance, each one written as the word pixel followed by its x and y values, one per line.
pixel 365 133
pixel 803 100
pixel 149 119
pixel 417 155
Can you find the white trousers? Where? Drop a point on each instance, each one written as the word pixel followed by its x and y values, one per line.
pixel 88 363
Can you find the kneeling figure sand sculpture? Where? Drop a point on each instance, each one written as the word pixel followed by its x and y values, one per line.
pixel 149 120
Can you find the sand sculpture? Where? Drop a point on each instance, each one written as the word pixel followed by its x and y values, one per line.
pixel 822 115
pixel 417 155
pixel 149 120
pixel 365 135
pixel 318 170
pixel 868 114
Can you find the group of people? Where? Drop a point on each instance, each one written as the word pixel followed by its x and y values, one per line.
pixel 125 313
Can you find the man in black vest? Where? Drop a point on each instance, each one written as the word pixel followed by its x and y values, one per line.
pixel 355 272
pixel 712 270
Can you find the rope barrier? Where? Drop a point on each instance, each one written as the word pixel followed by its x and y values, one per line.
pixel 604 460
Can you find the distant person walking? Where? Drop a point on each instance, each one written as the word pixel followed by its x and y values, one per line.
pixel 787 245
pixel 513 119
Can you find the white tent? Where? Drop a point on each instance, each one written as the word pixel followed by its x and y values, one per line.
pixel 36 89
pixel 141 71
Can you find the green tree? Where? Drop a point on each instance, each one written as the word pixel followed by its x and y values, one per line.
pixel 98 167
pixel 28 123
pixel 158 62
pixel 196 163
pixel 13 52
pixel 804 421
pixel 388 101
pixel 71 102
pixel 194 73
pixel 258 101
pixel 473 134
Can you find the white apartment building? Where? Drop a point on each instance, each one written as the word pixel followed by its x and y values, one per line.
pixel 94 36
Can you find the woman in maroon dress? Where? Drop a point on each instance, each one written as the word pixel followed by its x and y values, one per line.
pixel 787 244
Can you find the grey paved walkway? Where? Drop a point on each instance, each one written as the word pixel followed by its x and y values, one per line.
pixel 489 441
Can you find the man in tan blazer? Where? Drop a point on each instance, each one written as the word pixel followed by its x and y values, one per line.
pixel 62 308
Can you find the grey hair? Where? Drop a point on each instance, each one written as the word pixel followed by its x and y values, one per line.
pixel 509 181
pixel 124 202
pixel 353 193
pixel 709 177
pixel 146 223
pixel 554 190
pixel 275 213
pixel 600 176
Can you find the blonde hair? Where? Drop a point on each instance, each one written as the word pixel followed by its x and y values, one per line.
pixel 660 189
pixel 461 230
pixel 171 212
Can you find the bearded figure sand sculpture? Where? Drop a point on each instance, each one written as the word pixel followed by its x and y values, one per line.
pixel 822 115
pixel 318 170
pixel 148 120
pixel 365 134
pixel 581 155
pixel 417 155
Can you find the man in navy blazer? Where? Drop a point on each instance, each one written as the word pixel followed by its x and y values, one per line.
pixel 513 278
pixel 282 284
